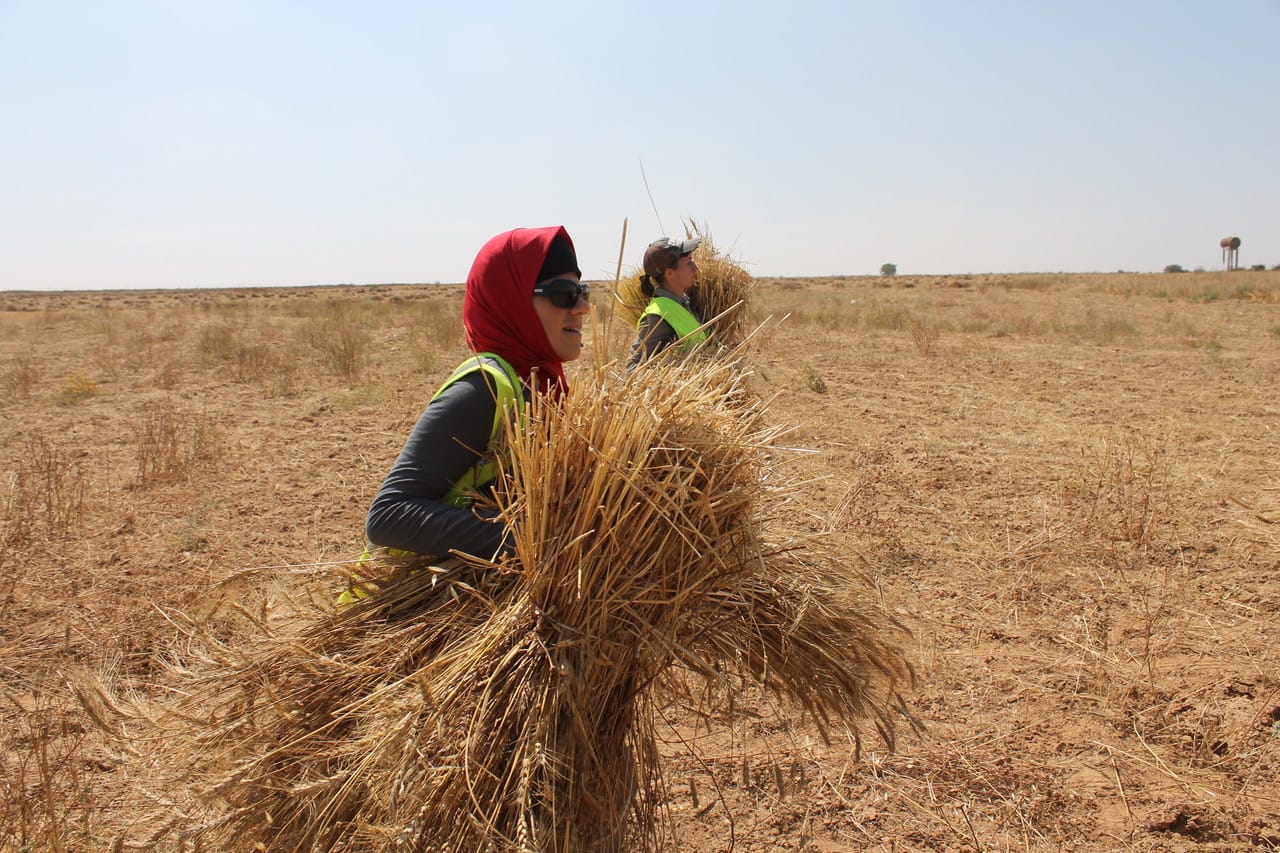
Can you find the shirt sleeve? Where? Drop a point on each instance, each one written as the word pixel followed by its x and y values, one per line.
pixel 449 438
pixel 655 335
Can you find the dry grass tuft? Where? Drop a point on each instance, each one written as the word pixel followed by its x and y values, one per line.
pixel 473 706
pixel 171 443
pixel 45 779
pixel 20 377
pixel 340 339
pixel 45 495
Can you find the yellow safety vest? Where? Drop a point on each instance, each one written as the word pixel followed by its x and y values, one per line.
pixel 507 388
pixel 679 318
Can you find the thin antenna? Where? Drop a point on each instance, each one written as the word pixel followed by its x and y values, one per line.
pixel 656 216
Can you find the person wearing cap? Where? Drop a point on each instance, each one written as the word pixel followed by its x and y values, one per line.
pixel 523 310
pixel 668 321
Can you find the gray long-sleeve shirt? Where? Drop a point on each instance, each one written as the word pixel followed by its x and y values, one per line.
pixel 449 438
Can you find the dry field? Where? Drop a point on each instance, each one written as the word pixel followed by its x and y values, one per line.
pixel 1067 486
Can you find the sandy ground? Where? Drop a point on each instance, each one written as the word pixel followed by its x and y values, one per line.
pixel 1068 488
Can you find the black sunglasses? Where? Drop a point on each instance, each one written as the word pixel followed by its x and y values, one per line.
pixel 563 292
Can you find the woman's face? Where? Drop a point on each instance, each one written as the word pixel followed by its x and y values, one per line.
pixel 682 276
pixel 563 325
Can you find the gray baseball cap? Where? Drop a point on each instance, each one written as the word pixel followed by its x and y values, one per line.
pixel 662 254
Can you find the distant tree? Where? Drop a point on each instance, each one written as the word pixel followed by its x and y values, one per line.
pixel 1256 267
pixel 1174 268
pixel 888 269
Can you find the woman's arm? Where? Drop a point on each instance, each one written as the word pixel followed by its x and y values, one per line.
pixel 448 439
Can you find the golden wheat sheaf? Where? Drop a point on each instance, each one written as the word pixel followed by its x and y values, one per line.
pixel 510 706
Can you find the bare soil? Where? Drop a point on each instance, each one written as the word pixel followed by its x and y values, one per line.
pixel 1067 487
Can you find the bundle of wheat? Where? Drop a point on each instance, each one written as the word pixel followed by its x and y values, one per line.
pixel 723 292
pixel 722 296
pixel 480 706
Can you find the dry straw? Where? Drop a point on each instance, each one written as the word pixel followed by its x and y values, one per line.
pixel 474 706
pixel 722 296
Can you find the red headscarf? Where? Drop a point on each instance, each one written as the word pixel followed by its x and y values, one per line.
pixel 497 308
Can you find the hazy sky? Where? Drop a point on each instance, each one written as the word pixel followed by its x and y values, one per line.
pixel 252 142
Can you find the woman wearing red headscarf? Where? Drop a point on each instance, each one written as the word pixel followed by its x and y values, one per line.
pixel 523 312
